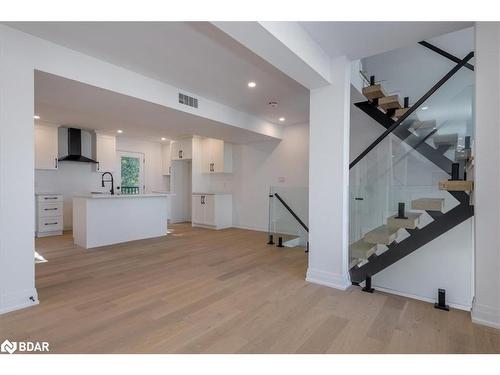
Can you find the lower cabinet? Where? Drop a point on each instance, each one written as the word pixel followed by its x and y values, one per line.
pixel 49 215
pixel 212 210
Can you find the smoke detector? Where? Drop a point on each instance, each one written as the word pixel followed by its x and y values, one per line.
pixel 273 104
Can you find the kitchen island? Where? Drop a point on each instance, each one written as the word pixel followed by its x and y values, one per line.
pixel 105 219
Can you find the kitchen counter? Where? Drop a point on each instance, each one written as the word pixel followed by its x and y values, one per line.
pixel 119 196
pixel 105 219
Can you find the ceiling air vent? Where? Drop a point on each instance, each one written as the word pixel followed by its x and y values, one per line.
pixel 188 100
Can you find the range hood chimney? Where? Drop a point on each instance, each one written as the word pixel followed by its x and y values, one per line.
pixel 75 147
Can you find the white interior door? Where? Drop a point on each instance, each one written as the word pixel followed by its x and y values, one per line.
pixel 129 176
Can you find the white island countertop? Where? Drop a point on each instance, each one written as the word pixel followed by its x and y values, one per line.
pixel 118 196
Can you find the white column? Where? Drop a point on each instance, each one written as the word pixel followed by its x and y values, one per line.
pixel 329 180
pixel 486 307
pixel 17 268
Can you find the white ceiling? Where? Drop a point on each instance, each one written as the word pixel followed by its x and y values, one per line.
pixel 362 39
pixel 194 56
pixel 62 101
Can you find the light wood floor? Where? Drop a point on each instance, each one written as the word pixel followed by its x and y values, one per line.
pixel 203 291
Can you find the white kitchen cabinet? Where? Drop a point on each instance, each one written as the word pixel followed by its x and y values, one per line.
pixel 217 156
pixel 105 153
pixel 182 149
pixel 166 162
pixel 46 148
pixel 49 215
pixel 212 210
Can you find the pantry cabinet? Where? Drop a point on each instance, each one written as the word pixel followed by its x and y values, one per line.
pixel 212 210
pixel 217 156
pixel 182 149
pixel 46 147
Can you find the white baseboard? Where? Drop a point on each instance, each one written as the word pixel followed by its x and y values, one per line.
pixel 20 300
pixel 327 279
pixel 249 228
pixel 486 315
pixel 420 298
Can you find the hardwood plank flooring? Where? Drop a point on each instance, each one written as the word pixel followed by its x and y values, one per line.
pixel 204 291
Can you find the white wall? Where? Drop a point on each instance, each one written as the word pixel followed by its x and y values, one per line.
pixel 329 180
pixel 258 166
pixel 486 309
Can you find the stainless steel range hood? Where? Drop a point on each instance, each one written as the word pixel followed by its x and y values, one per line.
pixel 75 145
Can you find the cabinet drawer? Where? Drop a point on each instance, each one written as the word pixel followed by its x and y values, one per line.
pixel 49 224
pixel 50 209
pixel 50 198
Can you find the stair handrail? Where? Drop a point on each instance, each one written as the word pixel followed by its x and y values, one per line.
pixel 413 108
pixel 296 217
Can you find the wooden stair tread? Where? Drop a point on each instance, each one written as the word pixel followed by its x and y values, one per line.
pixel 423 125
pixel 428 204
pixel 400 112
pixel 410 222
pixel 445 139
pixel 456 185
pixel 374 92
pixel 353 262
pixel 383 234
pixel 362 249
pixel 389 102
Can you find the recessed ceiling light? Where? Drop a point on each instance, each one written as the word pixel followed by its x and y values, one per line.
pixel 36 117
pixel 119 131
pixel 252 84
pixel 282 119
pixel 163 138
pixel 424 108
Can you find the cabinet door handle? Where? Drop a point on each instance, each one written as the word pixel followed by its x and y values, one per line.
pixel 55 162
pixel 51 223
pixel 50 209
pixel 180 154
pixel 50 198
pixel 98 166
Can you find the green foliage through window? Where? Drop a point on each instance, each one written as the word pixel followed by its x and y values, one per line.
pixel 130 171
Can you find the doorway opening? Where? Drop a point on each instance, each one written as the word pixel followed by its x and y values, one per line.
pixel 130 172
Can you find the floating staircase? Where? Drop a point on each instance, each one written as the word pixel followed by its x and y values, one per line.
pixel 424 138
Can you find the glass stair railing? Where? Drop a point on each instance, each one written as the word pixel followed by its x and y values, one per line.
pixel 413 183
pixel 288 217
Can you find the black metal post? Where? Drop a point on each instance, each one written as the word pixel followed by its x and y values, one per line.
pixel 271 240
pixel 406 102
pixel 307 247
pixel 441 303
pixel 368 285
pixel 401 211
pixel 280 242
pixel 455 167
pixel 467 143
pixel 372 80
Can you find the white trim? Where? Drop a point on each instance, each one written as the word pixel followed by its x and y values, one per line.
pixel 18 301
pixel 327 279
pixel 249 228
pixel 420 298
pixel 486 315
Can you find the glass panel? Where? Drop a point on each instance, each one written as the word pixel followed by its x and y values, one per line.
pixel 290 227
pixel 130 173
pixel 407 167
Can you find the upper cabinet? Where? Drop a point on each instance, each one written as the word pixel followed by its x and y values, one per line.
pixel 217 156
pixel 105 152
pixel 46 148
pixel 166 165
pixel 182 149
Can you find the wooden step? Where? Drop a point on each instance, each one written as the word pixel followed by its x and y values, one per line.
pixel 456 185
pixel 410 222
pixel 423 125
pixel 428 204
pixel 361 249
pixel 463 154
pixel 445 140
pixel 400 112
pixel 382 235
pixel 374 92
pixel 389 102
pixel 354 262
